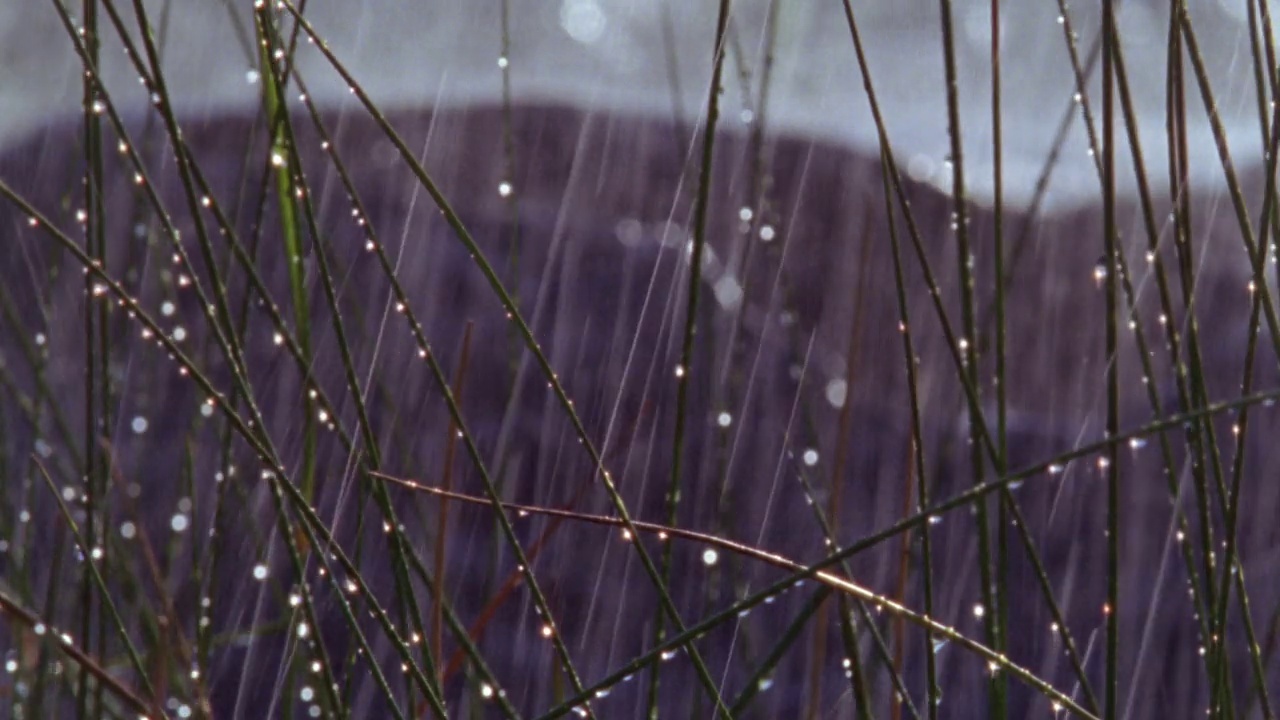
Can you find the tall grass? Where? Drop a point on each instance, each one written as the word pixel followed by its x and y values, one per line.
pixel 527 410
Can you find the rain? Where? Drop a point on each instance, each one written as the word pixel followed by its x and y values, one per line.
pixel 621 359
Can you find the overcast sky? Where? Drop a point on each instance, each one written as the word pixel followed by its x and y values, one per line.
pixel 654 56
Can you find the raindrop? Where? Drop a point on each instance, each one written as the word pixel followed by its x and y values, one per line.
pixel 583 20
pixel 728 292
pixel 837 391
pixel 710 557
pixel 810 457
pixel 724 419
pixel 178 523
pixel 259 572
pixel 138 425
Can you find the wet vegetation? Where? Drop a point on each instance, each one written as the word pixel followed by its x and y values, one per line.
pixel 519 410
